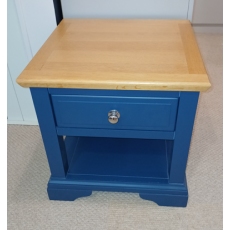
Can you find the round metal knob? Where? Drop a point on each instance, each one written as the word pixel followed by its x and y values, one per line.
pixel 114 115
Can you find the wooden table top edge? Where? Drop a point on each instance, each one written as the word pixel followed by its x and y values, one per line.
pixel 171 82
pixel 117 85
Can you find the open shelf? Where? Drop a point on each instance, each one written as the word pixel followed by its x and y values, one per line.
pixel 119 160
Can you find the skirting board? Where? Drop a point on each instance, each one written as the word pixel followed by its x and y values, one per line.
pixel 12 122
pixel 208 28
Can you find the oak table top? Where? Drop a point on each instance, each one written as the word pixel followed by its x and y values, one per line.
pixel 119 54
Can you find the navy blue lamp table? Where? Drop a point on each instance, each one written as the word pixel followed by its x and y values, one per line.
pixel 116 102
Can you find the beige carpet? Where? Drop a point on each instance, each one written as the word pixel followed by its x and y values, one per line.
pixel 28 173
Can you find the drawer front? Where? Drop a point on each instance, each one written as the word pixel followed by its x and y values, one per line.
pixel 135 112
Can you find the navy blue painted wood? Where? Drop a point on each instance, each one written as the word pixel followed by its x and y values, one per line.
pixel 70 145
pixel 163 194
pixel 123 165
pixel 135 113
pixel 119 186
pixel 119 158
pixel 169 152
pixel 139 157
pixel 118 93
pixel 54 145
pixel 143 134
pixel 167 199
pixel 67 194
pixel 185 120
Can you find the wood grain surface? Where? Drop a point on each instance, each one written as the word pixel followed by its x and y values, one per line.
pixel 119 54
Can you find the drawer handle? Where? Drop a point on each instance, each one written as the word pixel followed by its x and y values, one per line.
pixel 114 115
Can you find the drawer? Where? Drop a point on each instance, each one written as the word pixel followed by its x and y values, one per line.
pixel 139 113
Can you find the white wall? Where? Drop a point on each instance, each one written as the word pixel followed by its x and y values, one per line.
pixel 29 23
pixel 39 17
pixel 208 12
pixel 208 16
pixel 13 109
pixel 125 8
pixel 17 60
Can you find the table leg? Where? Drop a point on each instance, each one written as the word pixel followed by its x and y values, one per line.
pixel 185 120
pixel 54 145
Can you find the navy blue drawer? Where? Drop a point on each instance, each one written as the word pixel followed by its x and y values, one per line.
pixel 137 113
